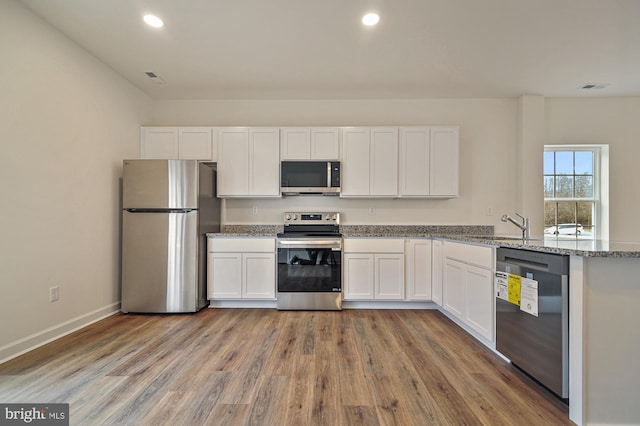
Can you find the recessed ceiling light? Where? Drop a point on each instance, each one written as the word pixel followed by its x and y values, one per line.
pixel 153 21
pixel 370 19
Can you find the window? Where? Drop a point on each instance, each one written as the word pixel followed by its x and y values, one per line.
pixel 572 191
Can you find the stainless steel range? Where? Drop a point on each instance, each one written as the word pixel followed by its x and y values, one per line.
pixel 310 262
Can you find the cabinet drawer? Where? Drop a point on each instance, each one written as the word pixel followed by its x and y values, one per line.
pixel 373 245
pixel 241 244
pixel 469 253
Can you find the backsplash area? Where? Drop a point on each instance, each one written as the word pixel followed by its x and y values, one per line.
pixel 371 230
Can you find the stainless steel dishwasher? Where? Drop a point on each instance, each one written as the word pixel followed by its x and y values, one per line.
pixel 538 345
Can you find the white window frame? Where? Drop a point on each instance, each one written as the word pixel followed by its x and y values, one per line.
pixel 600 196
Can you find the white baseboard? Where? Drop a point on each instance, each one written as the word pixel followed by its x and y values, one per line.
pixel 472 332
pixel 240 303
pixel 386 304
pixel 29 343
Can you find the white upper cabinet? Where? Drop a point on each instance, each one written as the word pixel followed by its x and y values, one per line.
pixel 325 143
pixel 414 161
pixel 248 162
pixel 355 167
pixel 195 143
pixel 309 143
pixel 177 143
pixel 444 162
pixel 369 162
pixel 429 162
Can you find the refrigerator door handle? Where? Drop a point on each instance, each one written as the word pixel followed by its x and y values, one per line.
pixel 160 210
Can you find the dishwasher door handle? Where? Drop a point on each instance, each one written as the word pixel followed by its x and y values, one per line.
pixel 527 264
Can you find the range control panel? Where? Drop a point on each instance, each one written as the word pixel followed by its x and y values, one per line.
pixel 303 218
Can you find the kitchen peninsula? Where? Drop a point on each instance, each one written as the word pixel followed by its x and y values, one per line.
pixel 603 315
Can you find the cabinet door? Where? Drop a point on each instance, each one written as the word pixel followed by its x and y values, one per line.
pixel 437 258
pixel 444 162
pixel 159 143
pixel 358 276
pixel 419 269
pixel 389 276
pixel 454 289
pixel 325 143
pixel 480 300
pixel 194 143
pixel 264 173
pixel 233 162
pixel 259 275
pixel 414 161
pixel 224 275
pixel 384 162
pixel 355 162
pixel 295 143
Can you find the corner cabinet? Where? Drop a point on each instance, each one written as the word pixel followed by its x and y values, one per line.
pixel 437 262
pixel 309 143
pixel 241 268
pixel 467 286
pixel 178 143
pixel 248 162
pixel 373 269
pixel 429 163
pixel 419 269
pixel 369 162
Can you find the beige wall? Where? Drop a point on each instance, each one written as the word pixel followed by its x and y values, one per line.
pixel 612 121
pixel 501 145
pixel 66 122
pixel 488 129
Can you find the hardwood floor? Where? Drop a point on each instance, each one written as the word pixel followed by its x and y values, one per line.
pixel 268 367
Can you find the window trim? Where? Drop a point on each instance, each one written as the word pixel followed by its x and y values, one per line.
pixel 600 184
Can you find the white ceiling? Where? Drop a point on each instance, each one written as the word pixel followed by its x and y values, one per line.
pixel 318 49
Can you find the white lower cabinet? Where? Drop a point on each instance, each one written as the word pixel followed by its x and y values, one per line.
pixel 467 286
pixel 373 269
pixel 241 268
pixel 437 259
pixel 419 269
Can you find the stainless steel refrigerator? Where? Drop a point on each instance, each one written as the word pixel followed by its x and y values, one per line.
pixel 168 207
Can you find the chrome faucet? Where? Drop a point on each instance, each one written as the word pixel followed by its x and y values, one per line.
pixel 524 225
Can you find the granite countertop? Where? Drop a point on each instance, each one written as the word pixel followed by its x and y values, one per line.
pixel 476 234
pixel 558 245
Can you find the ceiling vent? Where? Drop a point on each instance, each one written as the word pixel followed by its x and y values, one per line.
pixel 154 77
pixel 592 86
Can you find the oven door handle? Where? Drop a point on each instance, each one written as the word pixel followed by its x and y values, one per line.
pixel 330 244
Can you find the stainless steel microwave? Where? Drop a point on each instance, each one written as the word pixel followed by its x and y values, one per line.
pixel 310 177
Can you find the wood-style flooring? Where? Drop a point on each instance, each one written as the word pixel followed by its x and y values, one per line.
pixel 268 367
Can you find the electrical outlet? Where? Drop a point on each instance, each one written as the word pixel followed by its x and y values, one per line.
pixel 489 211
pixel 54 294
pixel 254 210
pixel 372 210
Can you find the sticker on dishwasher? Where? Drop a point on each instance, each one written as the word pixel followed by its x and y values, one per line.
pixel 502 279
pixel 529 296
pixel 514 289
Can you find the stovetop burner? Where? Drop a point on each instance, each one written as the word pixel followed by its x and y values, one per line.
pixel 310 225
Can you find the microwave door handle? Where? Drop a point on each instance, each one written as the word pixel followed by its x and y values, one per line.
pixel 328 174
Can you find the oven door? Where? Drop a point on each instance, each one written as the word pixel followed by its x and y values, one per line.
pixel 309 265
